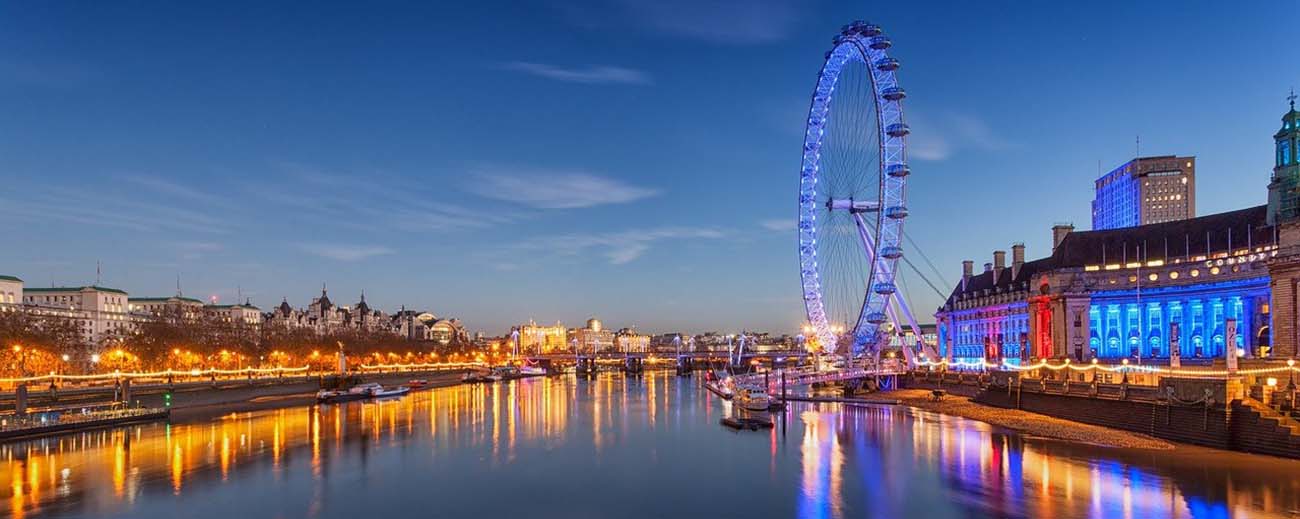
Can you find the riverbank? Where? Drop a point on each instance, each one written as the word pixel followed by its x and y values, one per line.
pixel 1023 422
pixel 216 403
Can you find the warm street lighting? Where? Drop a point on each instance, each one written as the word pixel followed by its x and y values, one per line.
pixel 94 358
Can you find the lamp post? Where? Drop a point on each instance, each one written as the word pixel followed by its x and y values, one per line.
pixel 22 360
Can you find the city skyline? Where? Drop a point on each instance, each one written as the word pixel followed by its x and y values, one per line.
pixel 431 161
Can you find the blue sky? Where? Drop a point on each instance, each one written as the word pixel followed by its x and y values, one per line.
pixel 500 161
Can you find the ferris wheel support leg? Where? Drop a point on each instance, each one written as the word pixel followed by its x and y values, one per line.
pixel 865 234
pixel 916 329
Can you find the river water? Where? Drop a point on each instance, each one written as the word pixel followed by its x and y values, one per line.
pixel 647 446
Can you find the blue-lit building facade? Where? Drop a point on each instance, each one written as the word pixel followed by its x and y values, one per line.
pixel 1132 293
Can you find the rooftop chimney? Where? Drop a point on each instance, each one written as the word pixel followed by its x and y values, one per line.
pixel 1058 234
pixel 999 263
pixel 967 269
pixel 1017 259
pixel 988 267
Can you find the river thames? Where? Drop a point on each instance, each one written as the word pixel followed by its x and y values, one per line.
pixel 648 446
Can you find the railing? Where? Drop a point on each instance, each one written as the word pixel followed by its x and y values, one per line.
pixel 810 375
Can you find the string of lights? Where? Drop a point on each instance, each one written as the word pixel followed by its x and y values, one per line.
pixel 1094 366
pixel 155 374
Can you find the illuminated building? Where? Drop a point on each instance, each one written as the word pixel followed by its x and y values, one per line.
pixel 244 313
pixel 1284 213
pixel 177 306
pixel 100 313
pixel 535 338
pixel 323 316
pixel 1119 293
pixel 594 338
pixel 11 292
pixel 628 341
pixel 1145 190
pixel 1126 290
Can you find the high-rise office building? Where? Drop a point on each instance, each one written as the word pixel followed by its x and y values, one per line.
pixel 1146 190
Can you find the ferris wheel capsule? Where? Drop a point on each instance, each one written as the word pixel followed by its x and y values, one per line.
pixel 897 212
pixel 898 130
pixel 888 64
pixel 881 42
pixel 898 170
pixel 893 93
pixel 884 288
pixel 892 252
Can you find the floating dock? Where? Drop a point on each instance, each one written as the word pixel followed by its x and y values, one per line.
pixel 746 423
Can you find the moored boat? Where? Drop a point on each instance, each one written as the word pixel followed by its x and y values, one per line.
pixel 753 398
pixel 383 392
pixel 418 383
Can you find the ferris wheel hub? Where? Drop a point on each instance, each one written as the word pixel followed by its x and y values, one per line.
pixel 853 206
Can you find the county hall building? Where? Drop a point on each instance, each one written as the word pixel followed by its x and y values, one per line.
pixel 1188 287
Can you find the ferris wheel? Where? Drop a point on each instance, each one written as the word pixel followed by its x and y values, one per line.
pixel 853 195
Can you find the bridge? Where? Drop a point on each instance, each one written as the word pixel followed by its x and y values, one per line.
pixel 708 355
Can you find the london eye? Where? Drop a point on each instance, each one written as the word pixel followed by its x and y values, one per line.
pixel 853 196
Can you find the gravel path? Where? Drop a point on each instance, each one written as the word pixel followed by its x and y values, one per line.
pixel 1024 422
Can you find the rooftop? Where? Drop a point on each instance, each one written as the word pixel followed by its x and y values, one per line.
pixel 76 289
pixel 1179 239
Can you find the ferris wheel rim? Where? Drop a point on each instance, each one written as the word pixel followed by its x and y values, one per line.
pixel 891 170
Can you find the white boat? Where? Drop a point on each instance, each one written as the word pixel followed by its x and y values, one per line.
pixel 367 389
pixel 532 371
pixel 383 393
pixel 753 398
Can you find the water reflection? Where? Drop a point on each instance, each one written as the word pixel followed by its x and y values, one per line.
pixel 566 447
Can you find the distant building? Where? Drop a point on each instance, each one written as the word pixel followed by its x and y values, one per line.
pixel 11 292
pixel 594 338
pixel 177 307
pixel 427 327
pixel 540 339
pixel 628 341
pixel 323 316
pixel 245 314
pixel 100 313
pixel 1145 190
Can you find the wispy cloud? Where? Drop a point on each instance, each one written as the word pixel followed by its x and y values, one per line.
pixel 369 200
pixel 617 247
pixel 739 22
pixel 173 189
pixel 114 210
pixel 779 224
pixel 345 252
pixel 592 75
pixel 193 250
pixel 553 189
pixel 936 140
